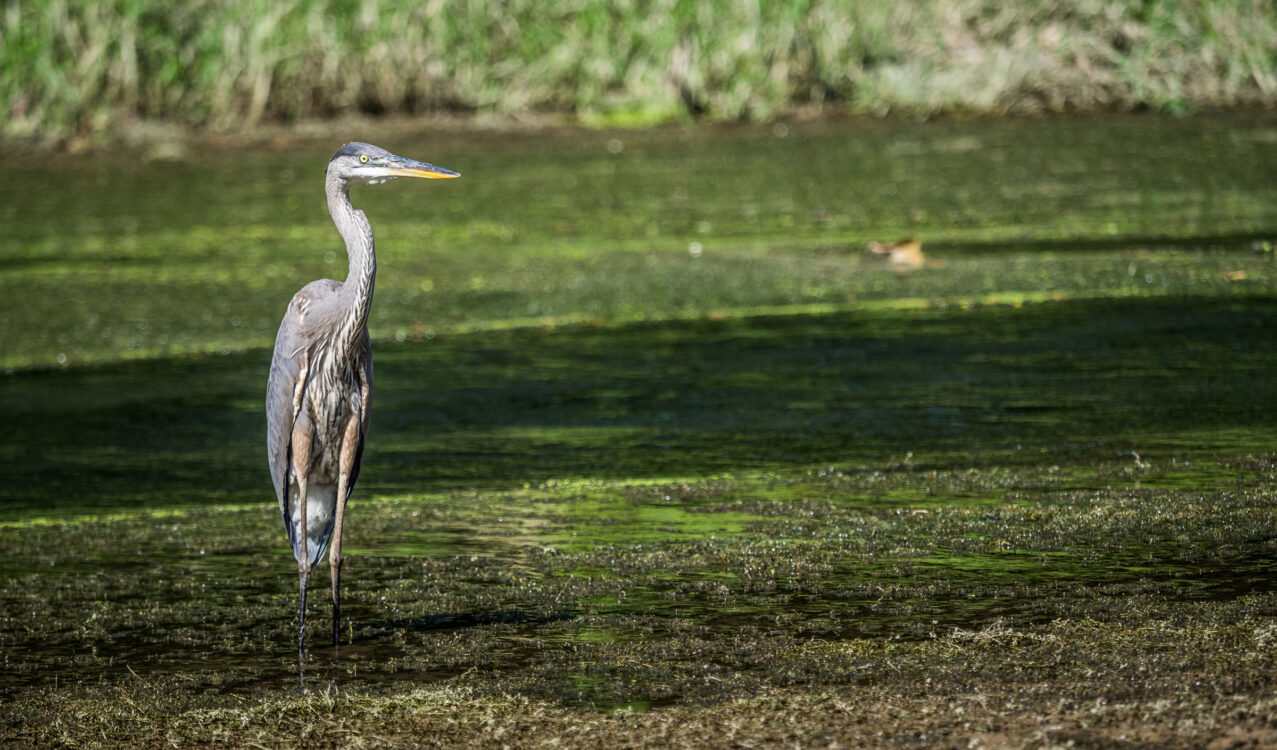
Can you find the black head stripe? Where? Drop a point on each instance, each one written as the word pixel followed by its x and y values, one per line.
pixel 354 148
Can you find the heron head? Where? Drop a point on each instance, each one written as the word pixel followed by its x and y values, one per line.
pixel 364 162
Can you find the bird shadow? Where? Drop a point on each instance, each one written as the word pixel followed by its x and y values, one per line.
pixel 371 632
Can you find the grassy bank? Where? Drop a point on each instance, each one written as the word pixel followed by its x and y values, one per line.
pixel 963 689
pixel 82 67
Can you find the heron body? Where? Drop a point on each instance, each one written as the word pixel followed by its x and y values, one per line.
pixel 336 392
pixel 320 384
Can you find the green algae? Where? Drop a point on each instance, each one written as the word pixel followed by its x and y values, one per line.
pixel 513 580
pixel 110 257
pixel 1029 481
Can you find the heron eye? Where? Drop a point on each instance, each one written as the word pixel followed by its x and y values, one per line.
pixel 363 158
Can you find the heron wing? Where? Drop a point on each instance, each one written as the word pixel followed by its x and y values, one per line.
pixel 287 373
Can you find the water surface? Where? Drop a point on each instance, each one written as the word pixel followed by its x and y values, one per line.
pixel 648 427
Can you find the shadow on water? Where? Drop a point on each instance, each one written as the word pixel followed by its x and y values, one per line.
pixel 552 511
pixel 501 409
pixel 374 631
pixel 1194 242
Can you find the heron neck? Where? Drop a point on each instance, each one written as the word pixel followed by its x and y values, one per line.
pixel 356 292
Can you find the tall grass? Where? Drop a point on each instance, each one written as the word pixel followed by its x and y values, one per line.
pixel 68 65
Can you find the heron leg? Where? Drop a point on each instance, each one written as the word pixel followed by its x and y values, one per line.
pixel 301 615
pixel 301 465
pixel 345 466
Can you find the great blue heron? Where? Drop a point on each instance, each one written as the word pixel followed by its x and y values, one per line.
pixel 320 382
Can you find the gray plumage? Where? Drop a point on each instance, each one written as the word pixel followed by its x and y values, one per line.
pixel 320 386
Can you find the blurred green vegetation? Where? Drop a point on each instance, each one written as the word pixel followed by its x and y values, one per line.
pixel 76 67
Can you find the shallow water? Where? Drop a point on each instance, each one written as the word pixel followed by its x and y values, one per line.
pixel 109 256
pixel 724 456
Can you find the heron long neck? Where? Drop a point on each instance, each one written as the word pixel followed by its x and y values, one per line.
pixel 356 292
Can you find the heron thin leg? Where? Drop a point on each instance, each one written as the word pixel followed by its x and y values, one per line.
pixel 303 568
pixel 345 466
pixel 304 577
pixel 301 461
